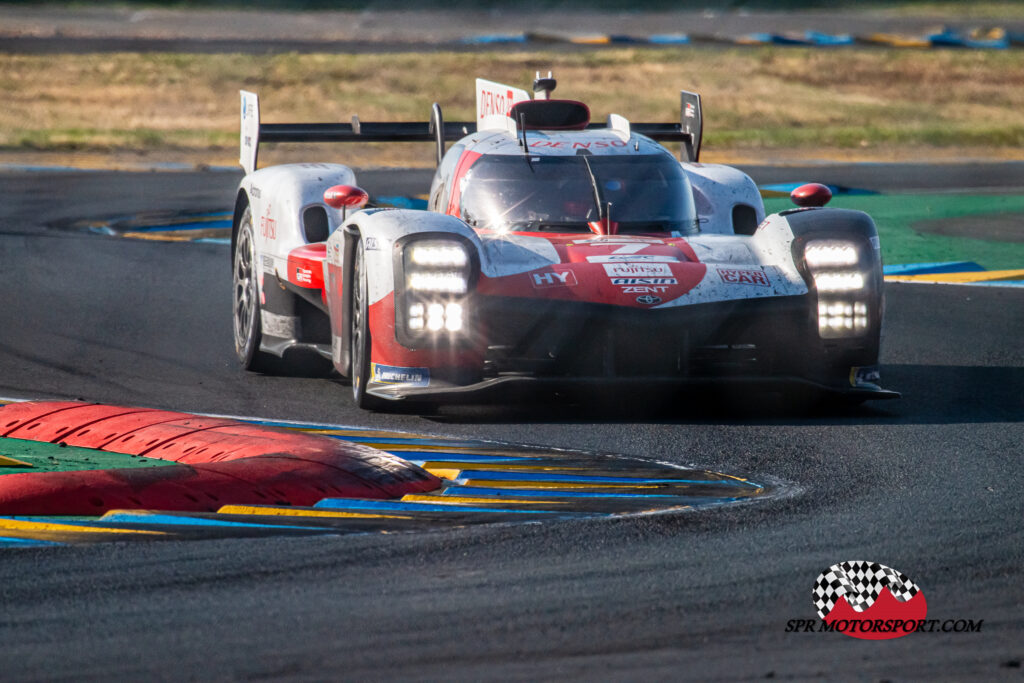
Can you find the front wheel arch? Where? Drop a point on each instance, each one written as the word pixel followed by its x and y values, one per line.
pixel 361 341
pixel 241 204
pixel 352 238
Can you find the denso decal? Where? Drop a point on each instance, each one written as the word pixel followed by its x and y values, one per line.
pixel 563 144
pixel 389 374
pixel 739 276
pixel 268 226
pixel 637 270
pixel 495 98
pixel 495 102
pixel 619 258
pixel 564 278
pixel 644 280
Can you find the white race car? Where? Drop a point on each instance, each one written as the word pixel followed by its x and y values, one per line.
pixel 553 252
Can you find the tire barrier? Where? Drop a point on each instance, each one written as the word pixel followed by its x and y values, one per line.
pixel 429 482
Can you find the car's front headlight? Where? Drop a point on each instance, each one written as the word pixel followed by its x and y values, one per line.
pixel 434 265
pixel 436 274
pixel 829 253
pixel 438 253
pixel 841 285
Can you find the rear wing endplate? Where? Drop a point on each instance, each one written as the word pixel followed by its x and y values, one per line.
pixel 689 131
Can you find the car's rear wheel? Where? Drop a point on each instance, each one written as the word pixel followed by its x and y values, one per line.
pixel 360 334
pixel 246 301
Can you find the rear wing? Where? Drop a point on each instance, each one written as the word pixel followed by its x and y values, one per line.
pixel 252 132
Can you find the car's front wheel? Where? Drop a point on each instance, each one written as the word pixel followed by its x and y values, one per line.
pixel 360 334
pixel 246 301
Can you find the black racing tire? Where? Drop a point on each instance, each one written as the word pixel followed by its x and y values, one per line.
pixel 359 336
pixel 246 300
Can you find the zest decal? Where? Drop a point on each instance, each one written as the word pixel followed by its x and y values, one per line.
pixel 644 290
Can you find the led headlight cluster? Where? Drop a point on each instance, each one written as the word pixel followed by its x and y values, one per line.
pixel 437 276
pixel 841 319
pixel 830 253
pixel 840 283
pixel 435 317
pixel 440 266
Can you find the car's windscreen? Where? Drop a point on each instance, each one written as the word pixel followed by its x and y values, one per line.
pixel 639 194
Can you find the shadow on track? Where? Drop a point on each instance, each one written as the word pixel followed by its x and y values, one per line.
pixel 931 395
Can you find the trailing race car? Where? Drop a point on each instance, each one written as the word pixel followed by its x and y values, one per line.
pixel 553 252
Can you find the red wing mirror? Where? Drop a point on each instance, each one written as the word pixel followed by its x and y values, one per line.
pixel 811 194
pixel 345 197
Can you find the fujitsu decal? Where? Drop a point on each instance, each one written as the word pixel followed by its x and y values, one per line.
pixel 868 600
pixel 615 270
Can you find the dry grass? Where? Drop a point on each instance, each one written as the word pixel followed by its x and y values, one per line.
pixel 760 103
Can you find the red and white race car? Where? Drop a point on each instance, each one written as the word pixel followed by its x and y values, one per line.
pixel 553 252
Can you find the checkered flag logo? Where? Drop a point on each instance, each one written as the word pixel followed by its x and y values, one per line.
pixel 860 583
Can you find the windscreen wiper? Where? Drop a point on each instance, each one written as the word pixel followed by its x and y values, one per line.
pixel 602 210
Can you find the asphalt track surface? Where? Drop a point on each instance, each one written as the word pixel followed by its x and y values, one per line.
pixel 929 484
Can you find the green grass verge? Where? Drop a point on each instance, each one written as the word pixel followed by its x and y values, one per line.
pixel 43 456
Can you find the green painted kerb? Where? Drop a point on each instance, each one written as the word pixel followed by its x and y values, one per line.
pixel 51 457
pixel 896 216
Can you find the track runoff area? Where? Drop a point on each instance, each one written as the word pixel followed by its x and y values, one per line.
pixel 73 472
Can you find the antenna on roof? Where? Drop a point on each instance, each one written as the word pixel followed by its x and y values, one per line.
pixel 522 132
pixel 543 87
